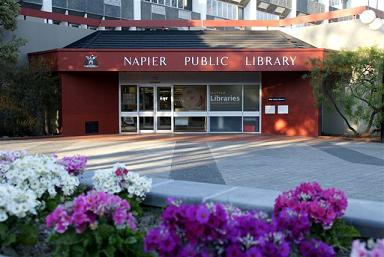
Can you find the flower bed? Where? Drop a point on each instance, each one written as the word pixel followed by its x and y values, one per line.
pixel 41 199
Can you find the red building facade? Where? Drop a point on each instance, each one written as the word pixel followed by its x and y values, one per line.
pixel 186 81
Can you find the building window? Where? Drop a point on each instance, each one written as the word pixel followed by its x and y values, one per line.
pixel 251 98
pixel 222 9
pixel 190 98
pixel 225 98
pixel 128 98
pixel 225 124
pixel 190 124
pixel 260 15
pixel 251 124
pixel 181 4
pixel 128 124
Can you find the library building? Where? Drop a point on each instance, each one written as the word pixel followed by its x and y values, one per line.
pixel 195 81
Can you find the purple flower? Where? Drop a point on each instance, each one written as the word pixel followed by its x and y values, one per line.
pixel 296 225
pixel 253 252
pixel 234 251
pixel 202 214
pixel 316 248
pixel 75 164
pixel 322 206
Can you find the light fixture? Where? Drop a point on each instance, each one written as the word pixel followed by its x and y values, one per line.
pixel 367 16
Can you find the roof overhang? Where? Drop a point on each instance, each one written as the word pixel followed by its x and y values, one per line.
pixel 182 60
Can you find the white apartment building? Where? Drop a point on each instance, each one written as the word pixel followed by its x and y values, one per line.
pixel 195 9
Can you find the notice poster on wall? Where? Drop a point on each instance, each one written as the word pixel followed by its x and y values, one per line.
pixel 282 109
pixel 270 109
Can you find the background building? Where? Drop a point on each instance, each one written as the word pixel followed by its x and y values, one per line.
pixel 194 9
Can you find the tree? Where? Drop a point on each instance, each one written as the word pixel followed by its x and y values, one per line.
pixel 29 103
pixel 9 10
pixel 352 82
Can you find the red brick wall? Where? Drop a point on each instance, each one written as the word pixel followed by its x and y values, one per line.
pixel 91 96
pixel 303 114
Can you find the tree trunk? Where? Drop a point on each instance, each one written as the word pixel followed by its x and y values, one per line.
pixel 371 119
pixel 342 115
pixel 46 122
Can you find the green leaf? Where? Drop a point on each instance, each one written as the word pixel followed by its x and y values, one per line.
pixel 27 234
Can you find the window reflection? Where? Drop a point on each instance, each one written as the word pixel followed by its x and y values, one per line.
pixel 128 98
pixel 190 98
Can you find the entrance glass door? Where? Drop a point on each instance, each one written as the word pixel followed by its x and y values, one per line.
pixel 155 108
pixel 164 103
pixel 146 109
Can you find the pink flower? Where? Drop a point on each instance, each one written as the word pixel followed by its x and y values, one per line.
pixel 86 211
pixel 358 249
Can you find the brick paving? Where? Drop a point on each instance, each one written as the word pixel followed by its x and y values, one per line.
pixel 265 162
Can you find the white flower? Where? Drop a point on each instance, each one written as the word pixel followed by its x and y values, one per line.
pixel 16 202
pixel 41 174
pixel 135 185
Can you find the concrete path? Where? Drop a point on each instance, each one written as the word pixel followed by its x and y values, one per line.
pixel 263 162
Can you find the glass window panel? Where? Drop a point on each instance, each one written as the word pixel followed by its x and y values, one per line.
pixel 251 98
pixel 251 124
pixel 214 8
pixel 190 124
pixel 174 3
pixel 190 98
pixel 128 98
pixel 209 7
pixel 128 124
pixel 219 9
pixel 225 10
pixel 161 1
pixel 146 123
pixel 168 2
pixel 225 98
pixel 146 99
pixel 164 123
pixel 181 3
pixel 225 124
pixel 164 98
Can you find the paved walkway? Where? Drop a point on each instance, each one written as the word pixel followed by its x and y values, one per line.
pixel 264 162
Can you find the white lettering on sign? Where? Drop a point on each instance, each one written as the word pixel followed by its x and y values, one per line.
pixel 270 61
pixel 205 61
pixel 145 61
pixel 231 98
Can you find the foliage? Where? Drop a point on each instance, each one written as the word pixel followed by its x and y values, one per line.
pixel 9 9
pixel 95 224
pixel 29 102
pixel 352 82
pixel 18 231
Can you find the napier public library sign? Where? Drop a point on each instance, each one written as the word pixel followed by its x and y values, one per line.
pixel 184 60
pixel 188 61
